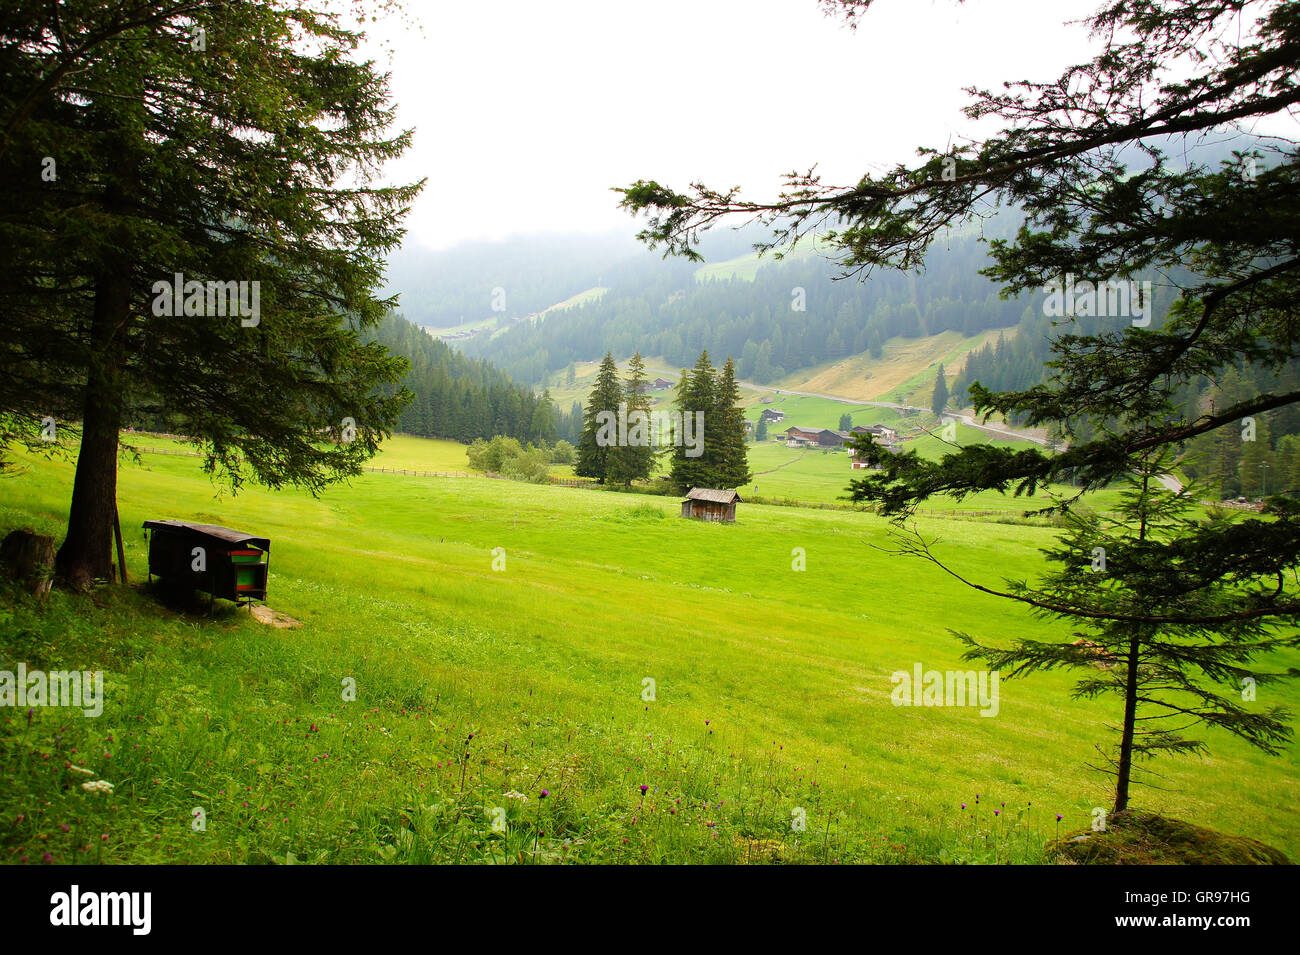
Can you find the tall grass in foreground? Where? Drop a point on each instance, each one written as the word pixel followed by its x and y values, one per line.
pixel 773 691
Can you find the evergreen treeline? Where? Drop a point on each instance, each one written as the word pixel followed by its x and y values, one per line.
pixel 464 398
pixel 725 461
pixel 1262 454
pixel 666 311
pixel 711 454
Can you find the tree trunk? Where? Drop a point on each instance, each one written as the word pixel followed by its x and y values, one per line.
pixel 86 553
pixel 1125 769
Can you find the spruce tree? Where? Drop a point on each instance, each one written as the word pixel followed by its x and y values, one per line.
pixel 939 399
pixel 129 152
pixel 1174 641
pixel 634 461
pixel 597 444
pixel 695 393
pixel 725 430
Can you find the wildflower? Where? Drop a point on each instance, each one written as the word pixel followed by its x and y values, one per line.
pixel 98 786
pixel 81 769
pixel 644 789
pixel 545 793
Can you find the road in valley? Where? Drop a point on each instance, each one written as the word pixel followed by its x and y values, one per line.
pixel 1000 431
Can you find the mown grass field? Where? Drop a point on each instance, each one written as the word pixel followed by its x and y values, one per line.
pixel 818 475
pixel 772 690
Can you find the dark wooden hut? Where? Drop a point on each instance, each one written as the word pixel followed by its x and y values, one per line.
pixel 710 504
pixel 228 564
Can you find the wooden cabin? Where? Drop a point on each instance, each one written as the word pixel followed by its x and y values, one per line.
pixel 711 504
pixel 227 564
pixel 822 437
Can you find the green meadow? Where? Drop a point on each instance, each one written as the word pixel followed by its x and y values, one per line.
pixel 679 691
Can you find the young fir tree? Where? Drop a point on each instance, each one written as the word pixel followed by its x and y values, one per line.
pixel 227 145
pixel 598 440
pixel 695 393
pixel 634 461
pixel 725 428
pixel 1173 640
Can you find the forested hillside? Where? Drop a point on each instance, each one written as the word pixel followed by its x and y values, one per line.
pixel 459 397
pixel 790 315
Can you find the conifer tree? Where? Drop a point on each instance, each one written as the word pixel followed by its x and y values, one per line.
pixel 1173 640
pixel 939 399
pixel 229 144
pixel 696 390
pixel 598 443
pixel 725 433
pixel 634 460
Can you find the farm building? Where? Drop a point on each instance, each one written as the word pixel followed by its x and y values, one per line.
pixel 882 433
pixel 822 437
pixel 710 504
pixel 771 414
pixel 659 384
pixel 856 463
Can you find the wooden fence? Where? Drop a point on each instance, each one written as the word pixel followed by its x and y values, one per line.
pixel 408 472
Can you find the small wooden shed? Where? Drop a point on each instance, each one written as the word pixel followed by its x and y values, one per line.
pixel 711 504
pixel 228 564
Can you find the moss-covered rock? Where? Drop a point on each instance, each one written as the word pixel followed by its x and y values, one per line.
pixel 1133 837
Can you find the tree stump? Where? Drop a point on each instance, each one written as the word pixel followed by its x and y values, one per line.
pixel 29 558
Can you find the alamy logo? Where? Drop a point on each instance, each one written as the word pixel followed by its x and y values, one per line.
pixel 103 908
pixel 950 688
pixel 79 688
pixel 1109 299
pixel 211 300
pixel 654 429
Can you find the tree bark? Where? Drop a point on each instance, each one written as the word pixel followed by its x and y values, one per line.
pixel 1125 768
pixel 86 553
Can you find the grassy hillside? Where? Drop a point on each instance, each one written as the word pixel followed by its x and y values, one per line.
pixel 772 690
pixel 904 373
pixel 588 295
pixel 905 365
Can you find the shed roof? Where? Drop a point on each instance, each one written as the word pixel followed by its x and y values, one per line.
pixel 224 534
pixel 713 495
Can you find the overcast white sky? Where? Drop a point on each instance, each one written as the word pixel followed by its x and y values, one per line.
pixel 527 112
